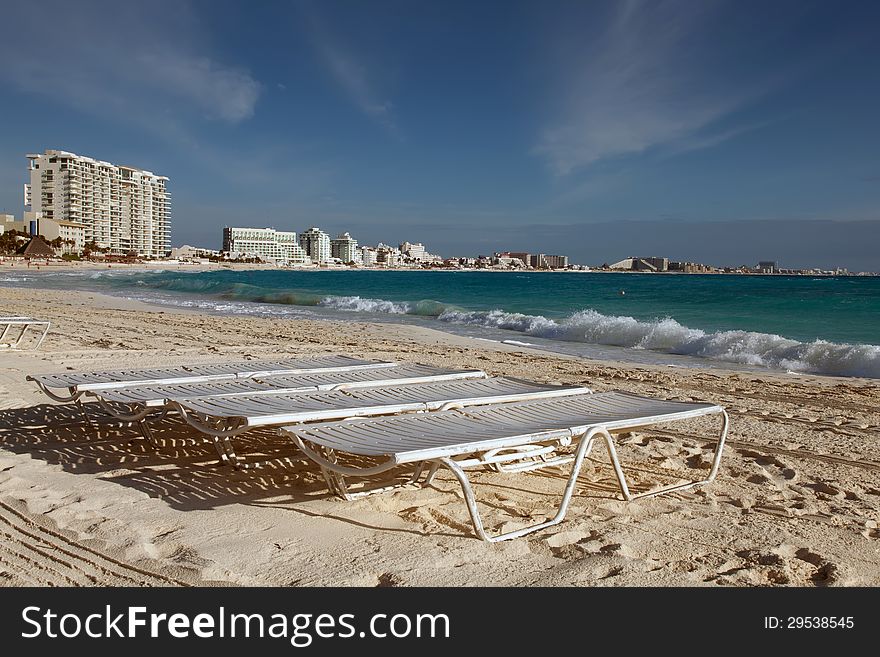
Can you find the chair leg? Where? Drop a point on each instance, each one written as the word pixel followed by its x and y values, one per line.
pixel 716 463
pixel 431 472
pixel 470 499
pixel 21 336
pixel 42 337
pixel 237 462
pixel 85 414
pixel 147 432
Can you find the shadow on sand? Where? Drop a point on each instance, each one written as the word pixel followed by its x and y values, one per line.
pixel 184 471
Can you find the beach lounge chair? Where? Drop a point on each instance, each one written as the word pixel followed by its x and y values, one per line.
pixel 492 435
pixel 137 401
pixel 23 324
pixel 76 384
pixel 223 417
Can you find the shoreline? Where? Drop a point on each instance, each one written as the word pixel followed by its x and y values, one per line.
pixel 785 356
pixel 111 302
pixel 6 262
pixel 800 476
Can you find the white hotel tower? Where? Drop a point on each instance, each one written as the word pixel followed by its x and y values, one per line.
pixel 316 243
pixel 85 200
pixel 345 248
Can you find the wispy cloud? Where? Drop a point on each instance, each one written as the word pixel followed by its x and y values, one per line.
pixel 700 139
pixel 350 73
pixel 637 86
pixel 138 69
pixel 130 64
pixel 228 93
pixel 353 79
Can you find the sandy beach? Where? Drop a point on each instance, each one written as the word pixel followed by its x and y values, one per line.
pixel 796 502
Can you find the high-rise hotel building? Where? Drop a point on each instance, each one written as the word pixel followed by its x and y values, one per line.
pixel 279 246
pixel 345 248
pixel 316 243
pixel 84 200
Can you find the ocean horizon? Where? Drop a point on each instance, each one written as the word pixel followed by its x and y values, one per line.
pixel 797 324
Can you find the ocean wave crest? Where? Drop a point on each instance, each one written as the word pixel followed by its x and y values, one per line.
pixel 361 305
pixel 669 336
pixel 662 335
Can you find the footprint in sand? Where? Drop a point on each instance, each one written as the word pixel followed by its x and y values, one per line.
pixel 826 491
pixel 783 565
pixel 770 469
pixel 826 572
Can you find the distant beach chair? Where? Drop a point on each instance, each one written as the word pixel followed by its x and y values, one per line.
pixel 24 324
pixel 226 416
pixel 498 436
pixel 76 384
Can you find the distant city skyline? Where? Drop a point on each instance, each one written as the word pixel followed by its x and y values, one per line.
pixel 718 131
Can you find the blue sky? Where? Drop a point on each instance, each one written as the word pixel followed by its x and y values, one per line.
pixel 596 129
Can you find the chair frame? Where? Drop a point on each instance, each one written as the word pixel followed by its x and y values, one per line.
pixel 25 323
pixel 335 474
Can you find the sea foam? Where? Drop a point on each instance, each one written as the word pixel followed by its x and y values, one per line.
pixel 358 304
pixel 669 336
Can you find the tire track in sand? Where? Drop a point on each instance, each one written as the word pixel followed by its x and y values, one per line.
pixel 33 551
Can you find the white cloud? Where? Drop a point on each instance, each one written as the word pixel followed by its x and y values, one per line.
pixel 130 63
pixel 228 93
pixel 636 86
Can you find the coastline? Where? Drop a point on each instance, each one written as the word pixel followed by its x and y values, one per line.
pixel 73 265
pixel 588 318
pixel 795 503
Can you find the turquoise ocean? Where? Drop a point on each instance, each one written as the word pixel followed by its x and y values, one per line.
pixel 798 324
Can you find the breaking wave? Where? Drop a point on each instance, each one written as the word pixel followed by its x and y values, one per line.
pixel 660 335
pixel 425 308
pixel 668 336
pixel 358 304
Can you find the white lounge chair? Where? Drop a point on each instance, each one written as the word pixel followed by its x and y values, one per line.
pixel 223 417
pixel 78 383
pixel 494 435
pixel 138 398
pixel 24 324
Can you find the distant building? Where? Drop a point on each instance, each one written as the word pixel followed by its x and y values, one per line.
pixel 9 222
pixel 642 264
pixel 659 264
pixel 345 248
pixel 691 267
pixel 544 261
pixel 509 260
pixel 524 257
pixel 267 244
pixel 388 255
pixel 413 251
pixel 36 248
pixel 316 244
pixel 187 252
pixel 369 256
pixel 120 208
pixel 767 267
pixel 71 233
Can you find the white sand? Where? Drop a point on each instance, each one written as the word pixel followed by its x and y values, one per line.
pixel 796 501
